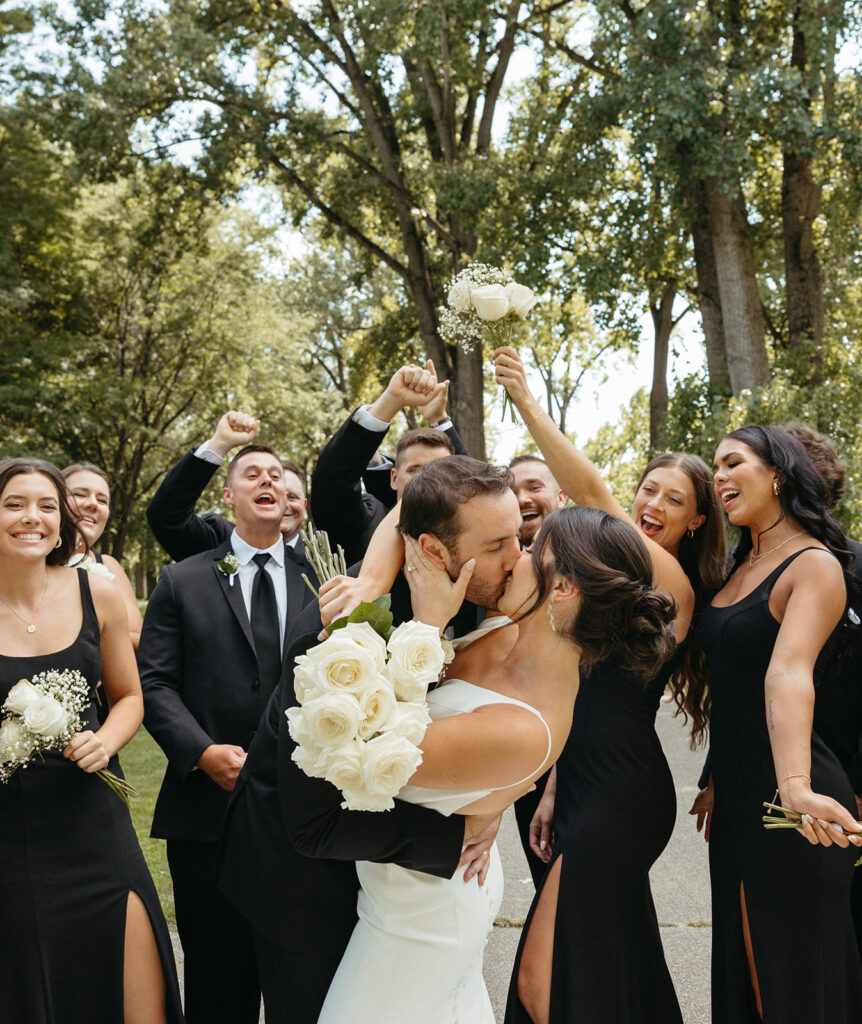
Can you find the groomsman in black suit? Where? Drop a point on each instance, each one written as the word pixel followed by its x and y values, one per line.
pixel 171 511
pixel 289 848
pixel 210 656
pixel 339 506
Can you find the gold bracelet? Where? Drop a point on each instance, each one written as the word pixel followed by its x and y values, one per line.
pixel 538 416
pixel 798 775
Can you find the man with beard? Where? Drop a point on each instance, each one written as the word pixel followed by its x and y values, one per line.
pixel 289 848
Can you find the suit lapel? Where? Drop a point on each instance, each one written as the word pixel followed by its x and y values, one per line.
pixel 233 596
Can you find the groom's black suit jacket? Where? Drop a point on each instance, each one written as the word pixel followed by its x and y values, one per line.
pixel 200 681
pixel 288 848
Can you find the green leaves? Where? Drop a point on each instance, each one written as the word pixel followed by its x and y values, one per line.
pixel 375 613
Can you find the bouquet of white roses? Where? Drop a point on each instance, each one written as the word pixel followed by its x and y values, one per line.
pixel 44 713
pixel 362 708
pixel 484 302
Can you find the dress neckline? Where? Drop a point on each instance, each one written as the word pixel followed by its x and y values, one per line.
pixel 83 583
pixel 767 579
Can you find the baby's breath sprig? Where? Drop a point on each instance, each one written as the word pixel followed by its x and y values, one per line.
pixel 327 563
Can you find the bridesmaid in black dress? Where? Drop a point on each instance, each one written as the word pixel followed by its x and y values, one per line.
pixel 783 941
pixel 591 949
pixel 85 937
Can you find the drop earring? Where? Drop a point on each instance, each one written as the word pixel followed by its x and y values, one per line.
pixel 776 490
pixel 551 617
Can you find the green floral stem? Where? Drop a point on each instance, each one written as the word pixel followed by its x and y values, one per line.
pixel 124 790
pixel 319 551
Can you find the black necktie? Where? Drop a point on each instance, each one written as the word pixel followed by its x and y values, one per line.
pixel 264 624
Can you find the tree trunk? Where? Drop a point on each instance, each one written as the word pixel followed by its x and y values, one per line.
pixel 800 206
pixel 741 310
pixel 708 295
pixel 662 319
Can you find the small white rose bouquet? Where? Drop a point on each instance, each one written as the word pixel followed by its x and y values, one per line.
pixel 44 713
pixel 484 302
pixel 362 707
pixel 89 563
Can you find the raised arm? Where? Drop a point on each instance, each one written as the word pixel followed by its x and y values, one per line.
pixel 171 511
pixel 583 483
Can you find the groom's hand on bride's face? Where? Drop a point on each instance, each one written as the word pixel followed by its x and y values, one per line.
pixel 480 831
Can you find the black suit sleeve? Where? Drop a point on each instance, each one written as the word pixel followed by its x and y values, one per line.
pixel 160 661
pixel 409 835
pixel 171 511
pixel 338 505
pixel 455 438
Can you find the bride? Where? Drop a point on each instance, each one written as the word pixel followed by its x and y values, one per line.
pixel 583 593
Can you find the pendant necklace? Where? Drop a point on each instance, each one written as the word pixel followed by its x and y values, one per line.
pixel 754 559
pixel 31 628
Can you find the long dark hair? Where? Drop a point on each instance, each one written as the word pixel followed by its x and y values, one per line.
pixel 10 468
pixel 620 614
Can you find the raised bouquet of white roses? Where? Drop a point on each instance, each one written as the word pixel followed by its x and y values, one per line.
pixel 44 713
pixel 362 707
pixel 484 302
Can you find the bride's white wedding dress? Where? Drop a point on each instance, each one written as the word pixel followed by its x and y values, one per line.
pixel 415 956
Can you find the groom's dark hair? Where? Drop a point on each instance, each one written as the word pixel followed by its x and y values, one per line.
pixel 431 500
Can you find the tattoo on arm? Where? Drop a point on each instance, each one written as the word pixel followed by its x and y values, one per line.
pixel 771 716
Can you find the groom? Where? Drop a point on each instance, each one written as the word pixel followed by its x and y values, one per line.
pixel 289 848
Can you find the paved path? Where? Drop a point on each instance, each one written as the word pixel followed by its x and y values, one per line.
pixel 680 884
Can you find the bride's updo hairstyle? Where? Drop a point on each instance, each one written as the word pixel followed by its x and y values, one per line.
pixel 620 615
pixel 10 468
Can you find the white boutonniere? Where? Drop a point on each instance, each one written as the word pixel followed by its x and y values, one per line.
pixel 229 566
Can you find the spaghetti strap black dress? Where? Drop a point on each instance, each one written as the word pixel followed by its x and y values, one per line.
pixel 69 858
pixel 797 895
pixel 614 812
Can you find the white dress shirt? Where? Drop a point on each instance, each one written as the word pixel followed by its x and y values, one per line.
pixel 248 570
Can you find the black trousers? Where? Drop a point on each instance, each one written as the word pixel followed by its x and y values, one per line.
pixel 221 983
pixel 294 984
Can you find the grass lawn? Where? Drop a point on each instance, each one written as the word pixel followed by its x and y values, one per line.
pixel 144 765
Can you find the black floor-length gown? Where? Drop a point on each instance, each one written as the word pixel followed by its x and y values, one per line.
pixel 69 858
pixel 614 812
pixel 797 895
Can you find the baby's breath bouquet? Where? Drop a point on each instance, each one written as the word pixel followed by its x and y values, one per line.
pixel 484 302
pixel 44 713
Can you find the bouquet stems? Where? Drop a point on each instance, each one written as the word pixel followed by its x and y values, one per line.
pixel 327 563
pixel 124 790
pixel 793 819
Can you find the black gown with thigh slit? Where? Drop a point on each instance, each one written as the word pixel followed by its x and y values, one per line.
pixel 69 858
pixel 614 812
pixel 797 895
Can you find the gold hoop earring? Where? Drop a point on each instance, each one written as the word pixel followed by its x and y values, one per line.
pixel 689 533
pixel 551 617
pixel 59 542
pixel 776 490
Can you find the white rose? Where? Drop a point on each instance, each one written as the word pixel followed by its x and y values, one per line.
pixel 521 299
pixel 312 762
pixel 16 741
pixel 298 727
pixel 387 764
pixel 21 696
pixel 341 664
pixel 459 296
pixel 307 683
pixel 362 800
pixel 46 717
pixel 490 301
pixel 332 719
pixel 344 766
pixel 377 703
pixel 416 659
pixel 409 721
pixel 368 637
